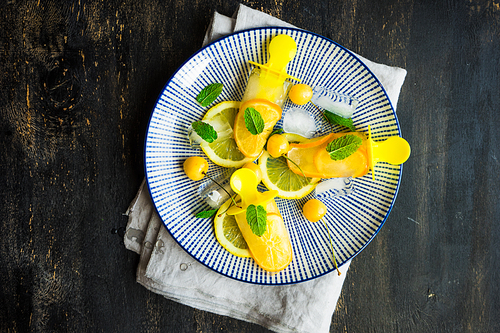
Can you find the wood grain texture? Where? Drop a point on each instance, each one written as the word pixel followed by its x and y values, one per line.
pixel 78 82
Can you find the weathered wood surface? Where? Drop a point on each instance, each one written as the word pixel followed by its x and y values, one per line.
pixel 78 81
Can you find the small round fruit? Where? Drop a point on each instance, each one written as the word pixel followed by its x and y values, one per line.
pixel 300 94
pixel 256 169
pixel 195 167
pixel 314 210
pixel 277 145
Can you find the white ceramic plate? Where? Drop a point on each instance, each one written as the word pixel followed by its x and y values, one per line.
pixel 353 220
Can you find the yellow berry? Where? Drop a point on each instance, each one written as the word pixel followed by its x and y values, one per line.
pixel 300 94
pixel 277 145
pixel 195 167
pixel 314 210
pixel 256 169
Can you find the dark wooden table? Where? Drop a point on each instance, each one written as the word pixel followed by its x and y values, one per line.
pixel 78 81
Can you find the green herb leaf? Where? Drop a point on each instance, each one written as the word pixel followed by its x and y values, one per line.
pixel 205 131
pixel 206 214
pixel 256 218
pixel 338 120
pixel 343 147
pixel 209 94
pixel 276 131
pixel 253 121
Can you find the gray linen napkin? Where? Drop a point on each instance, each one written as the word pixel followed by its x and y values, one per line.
pixel 165 268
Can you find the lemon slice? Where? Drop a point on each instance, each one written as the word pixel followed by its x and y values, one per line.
pixel 276 175
pixel 228 233
pixel 224 151
pixel 273 250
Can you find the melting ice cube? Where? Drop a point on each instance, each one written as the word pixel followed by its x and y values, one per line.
pixel 299 121
pixel 194 138
pixel 212 193
pixel 340 104
pixel 334 187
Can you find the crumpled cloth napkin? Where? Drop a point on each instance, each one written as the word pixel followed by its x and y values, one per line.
pixel 165 268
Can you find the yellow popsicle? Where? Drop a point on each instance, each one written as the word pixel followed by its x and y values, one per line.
pixel 272 251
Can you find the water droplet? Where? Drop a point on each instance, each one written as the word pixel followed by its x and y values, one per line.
pixel 118 231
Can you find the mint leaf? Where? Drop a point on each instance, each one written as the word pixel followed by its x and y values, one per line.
pixel 205 131
pixel 276 131
pixel 343 147
pixel 206 214
pixel 253 121
pixel 338 120
pixel 256 218
pixel 208 94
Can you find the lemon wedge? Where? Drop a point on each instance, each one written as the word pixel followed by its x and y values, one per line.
pixel 223 151
pixel 276 175
pixel 228 233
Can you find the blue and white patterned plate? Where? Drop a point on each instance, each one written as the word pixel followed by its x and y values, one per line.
pixel 353 220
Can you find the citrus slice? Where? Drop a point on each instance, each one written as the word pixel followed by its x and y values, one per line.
pixel 273 250
pixel 303 154
pixel 228 233
pixel 356 165
pixel 223 151
pixel 313 142
pixel 276 175
pixel 249 144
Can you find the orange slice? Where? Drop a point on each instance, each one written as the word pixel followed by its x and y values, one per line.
pixel 251 145
pixel 315 161
pixel 304 158
pixel 356 165
pixel 273 250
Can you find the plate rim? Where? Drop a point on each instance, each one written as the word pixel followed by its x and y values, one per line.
pixel 219 40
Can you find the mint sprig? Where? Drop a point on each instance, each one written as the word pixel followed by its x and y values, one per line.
pixel 253 121
pixel 208 94
pixel 257 218
pixel 206 214
pixel 334 119
pixel 205 131
pixel 343 147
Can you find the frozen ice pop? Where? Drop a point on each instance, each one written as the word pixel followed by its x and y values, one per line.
pixel 314 160
pixel 272 250
pixel 268 81
pixel 311 158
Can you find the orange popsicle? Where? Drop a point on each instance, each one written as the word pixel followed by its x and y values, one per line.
pixel 314 160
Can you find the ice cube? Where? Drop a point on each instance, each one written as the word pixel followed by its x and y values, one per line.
pixel 212 193
pixel 334 187
pixel 339 104
pixel 194 138
pixel 299 121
